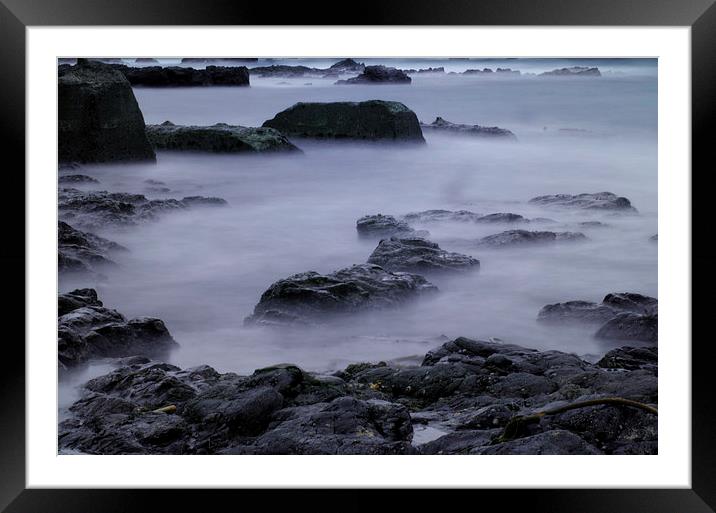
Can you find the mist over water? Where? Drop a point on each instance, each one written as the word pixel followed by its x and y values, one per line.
pixel 203 270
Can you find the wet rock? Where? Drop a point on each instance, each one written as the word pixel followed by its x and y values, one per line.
pixel 378 75
pixel 472 130
pixel 96 209
pixel 557 441
pixel 577 311
pixel 459 442
pixel 419 256
pixel 76 179
pixel 631 358
pixel 179 76
pixel 218 138
pixel 511 238
pixel 86 330
pixel 596 201
pixel 343 426
pixel 83 251
pixel 310 297
pixel 632 302
pixel 98 116
pixel 380 226
pixel 195 201
pixel 369 120
pixel 631 326
pixel 574 71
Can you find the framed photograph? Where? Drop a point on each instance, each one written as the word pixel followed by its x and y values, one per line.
pixel 425 250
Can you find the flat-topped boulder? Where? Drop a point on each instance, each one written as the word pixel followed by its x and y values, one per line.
pixel 574 71
pixel 368 120
pixel 589 201
pixel 419 256
pixel 442 125
pixel 180 76
pixel 84 252
pixel 310 297
pixel 381 226
pixel 511 238
pixel 98 116
pixel 218 138
pixel 88 330
pixel 378 75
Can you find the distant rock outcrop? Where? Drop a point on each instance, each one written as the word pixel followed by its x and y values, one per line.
pixel 378 75
pixel 474 130
pixel 574 71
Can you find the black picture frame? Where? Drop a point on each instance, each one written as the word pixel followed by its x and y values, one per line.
pixel 17 15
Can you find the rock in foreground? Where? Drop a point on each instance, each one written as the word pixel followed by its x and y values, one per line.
pixel 596 201
pixel 218 138
pixel 419 256
pixel 98 116
pixel 470 389
pixel 473 130
pixel 369 120
pixel 511 238
pixel 378 75
pixel 310 297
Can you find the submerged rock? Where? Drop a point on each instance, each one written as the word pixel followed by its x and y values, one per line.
pixel 435 216
pixel 218 138
pixel 419 256
pixel 381 226
pixel 310 297
pixel 98 116
pixel 379 75
pixel 83 251
pixel 574 71
pixel 179 76
pixel 370 120
pixel 622 316
pixel 86 330
pixel 512 238
pixel 596 201
pixel 472 130
pixel 96 209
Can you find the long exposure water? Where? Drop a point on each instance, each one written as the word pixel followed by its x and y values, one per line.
pixel 203 270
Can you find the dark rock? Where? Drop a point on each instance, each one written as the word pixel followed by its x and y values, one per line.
pixel 512 238
pixel 146 60
pixel 78 298
pixel 419 256
pixel 596 201
pixel 380 226
pixel 577 311
pixel 195 201
pixel 310 297
pixel 343 426
pixel 76 179
pixel 632 302
pixel 95 209
pixel 286 71
pixel 179 76
pixel 483 71
pixel 370 120
pixel 378 75
pixel 218 138
pixel 202 60
pixel 557 441
pixel 472 130
pixel 631 358
pixel 86 329
pixel 347 65
pixel 83 251
pixel 98 117
pixel 654 238
pixel 574 71
pixel 459 442
pixel 631 326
